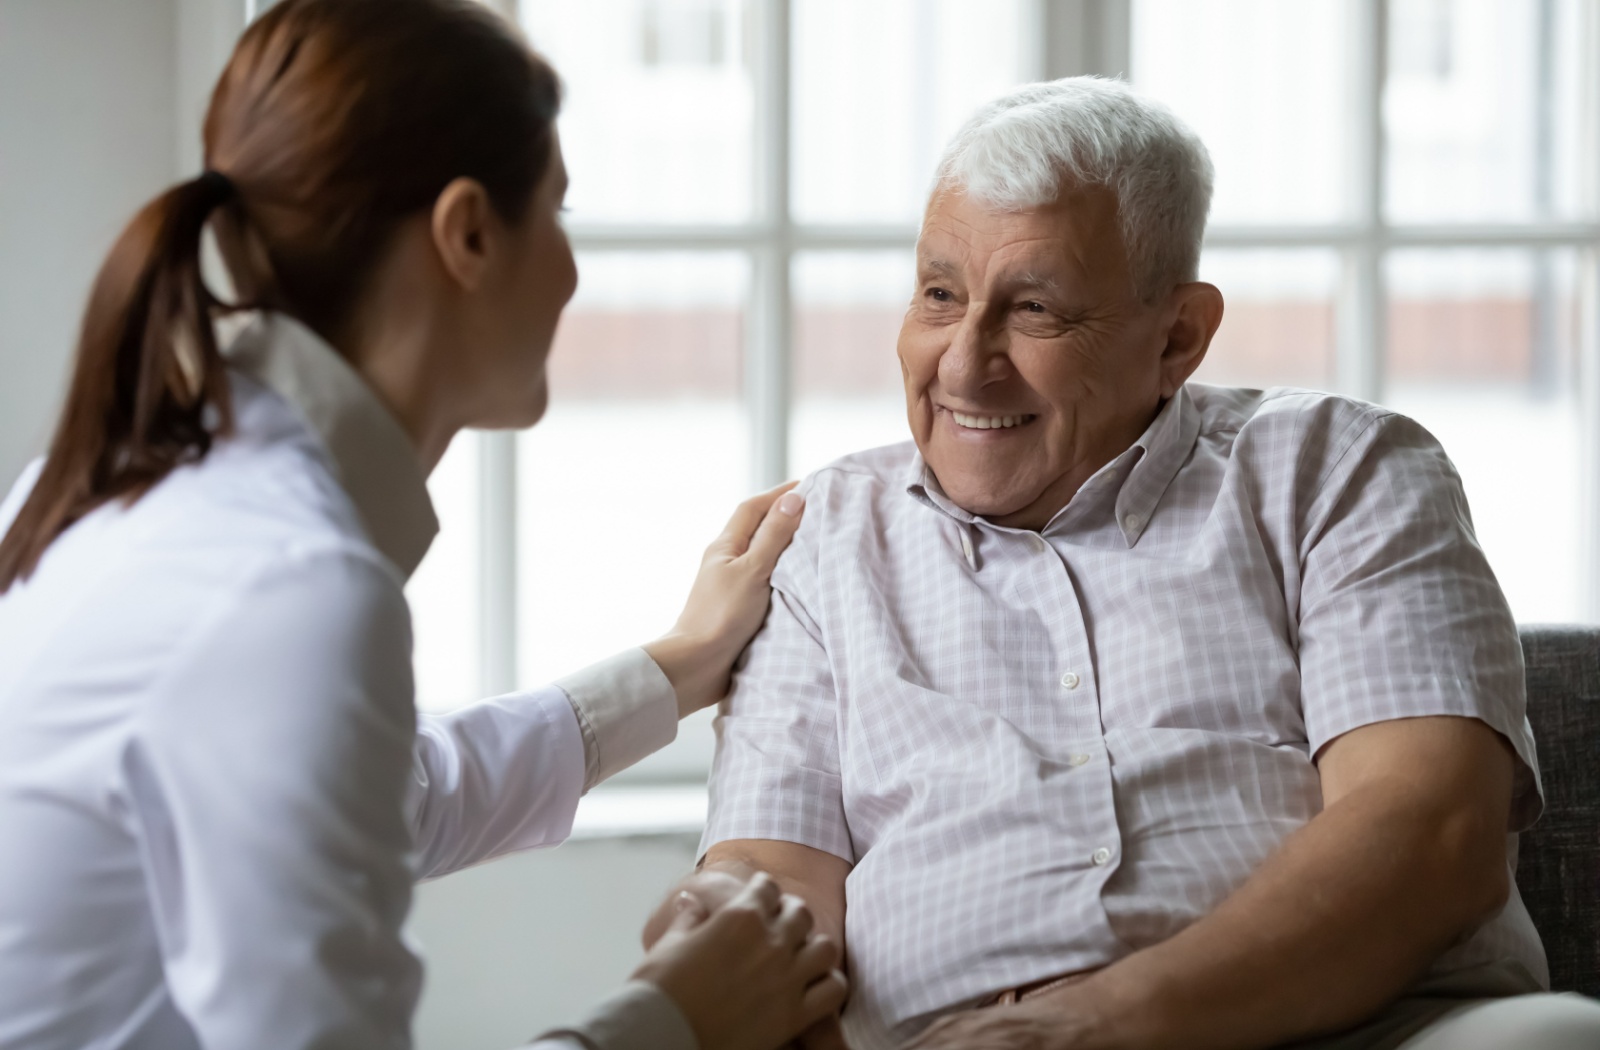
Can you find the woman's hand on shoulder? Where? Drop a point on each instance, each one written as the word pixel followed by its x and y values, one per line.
pixel 728 602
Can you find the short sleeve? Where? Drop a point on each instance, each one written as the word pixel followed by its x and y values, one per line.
pixel 265 786
pixel 776 773
pixel 1400 614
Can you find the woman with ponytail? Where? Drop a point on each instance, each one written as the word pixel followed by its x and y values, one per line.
pixel 215 790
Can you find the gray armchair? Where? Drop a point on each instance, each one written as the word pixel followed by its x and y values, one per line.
pixel 1558 870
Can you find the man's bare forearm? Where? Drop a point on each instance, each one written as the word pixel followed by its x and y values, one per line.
pixel 812 875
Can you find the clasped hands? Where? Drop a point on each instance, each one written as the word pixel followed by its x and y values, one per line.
pixel 741 1015
pixel 742 963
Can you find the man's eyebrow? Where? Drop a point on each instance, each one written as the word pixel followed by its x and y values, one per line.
pixel 1036 280
pixel 938 268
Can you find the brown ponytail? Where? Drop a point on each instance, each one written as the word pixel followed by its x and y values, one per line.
pixel 148 369
pixel 333 121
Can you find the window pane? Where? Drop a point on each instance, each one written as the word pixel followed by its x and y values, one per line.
pixel 1483 109
pixel 880 87
pixel 443 593
pixel 1277 325
pixel 848 395
pixel 656 119
pixel 636 468
pixel 1266 85
pixel 1481 353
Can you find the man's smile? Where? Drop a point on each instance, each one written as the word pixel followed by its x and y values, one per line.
pixel 971 421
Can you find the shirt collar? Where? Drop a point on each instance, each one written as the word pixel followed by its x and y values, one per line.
pixel 1166 444
pixel 1148 467
pixel 371 454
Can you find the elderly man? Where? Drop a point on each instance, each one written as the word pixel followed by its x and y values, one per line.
pixel 1119 711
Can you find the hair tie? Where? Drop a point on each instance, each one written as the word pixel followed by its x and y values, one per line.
pixel 219 184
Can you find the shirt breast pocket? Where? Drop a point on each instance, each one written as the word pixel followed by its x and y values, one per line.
pixel 1197 646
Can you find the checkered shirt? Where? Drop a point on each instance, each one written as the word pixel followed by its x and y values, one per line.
pixel 1043 751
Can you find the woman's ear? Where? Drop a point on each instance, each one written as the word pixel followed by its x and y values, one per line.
pixel 1195 321
pixel 463 231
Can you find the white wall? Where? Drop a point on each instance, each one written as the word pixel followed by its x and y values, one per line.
pixel 524 943
pixel 86 136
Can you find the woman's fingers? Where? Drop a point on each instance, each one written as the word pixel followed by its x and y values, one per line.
pixel 689 912
pixel 824 998
pixel 819 956
pixel 747 518
pixel 794 922
pixel 761 894
pixel 751 975
pixel 728 602
pixel 772 536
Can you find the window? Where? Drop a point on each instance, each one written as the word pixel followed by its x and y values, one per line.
pixel 1406 211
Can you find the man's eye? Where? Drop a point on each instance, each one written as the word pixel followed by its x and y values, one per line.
pixel 940 295
pixel 1034 308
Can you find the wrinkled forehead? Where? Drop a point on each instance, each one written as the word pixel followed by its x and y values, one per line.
pixel 1074 238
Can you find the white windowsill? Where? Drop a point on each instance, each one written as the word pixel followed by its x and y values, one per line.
pixel 631 812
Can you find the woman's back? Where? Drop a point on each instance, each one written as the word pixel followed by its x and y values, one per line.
pixel 182 686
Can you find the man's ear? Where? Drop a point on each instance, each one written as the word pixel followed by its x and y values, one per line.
pixel 462 228
pixel 1196 317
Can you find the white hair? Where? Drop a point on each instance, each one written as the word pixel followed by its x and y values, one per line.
pixel 1022 149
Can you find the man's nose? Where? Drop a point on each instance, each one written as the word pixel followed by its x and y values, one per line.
pixel 974 358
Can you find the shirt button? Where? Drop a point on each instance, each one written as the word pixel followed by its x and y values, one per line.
pixel 1132 522
pixel 1078 760
pixel 1102 857
pixel 1069 681
pixel 966 546
pixel 1039 543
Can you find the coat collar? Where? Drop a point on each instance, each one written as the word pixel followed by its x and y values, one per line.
pixel 371 454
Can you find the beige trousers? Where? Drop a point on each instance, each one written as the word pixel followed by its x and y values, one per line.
pixel 1480 1011
pixel 1522 1022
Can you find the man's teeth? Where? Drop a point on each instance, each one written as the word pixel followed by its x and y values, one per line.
pixel 988 422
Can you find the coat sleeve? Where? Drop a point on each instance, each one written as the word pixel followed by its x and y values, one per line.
pixel 506 774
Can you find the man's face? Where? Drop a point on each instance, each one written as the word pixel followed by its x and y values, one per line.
pixel 1029 359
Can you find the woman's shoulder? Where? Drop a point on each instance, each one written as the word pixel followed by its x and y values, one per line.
pixel 239 559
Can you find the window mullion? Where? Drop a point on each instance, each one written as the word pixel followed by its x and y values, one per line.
pixel 1361 330
pixel 1084 36
pixel 497 561
pixel 768 332
pixel 1588 348
pixel 1589 429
